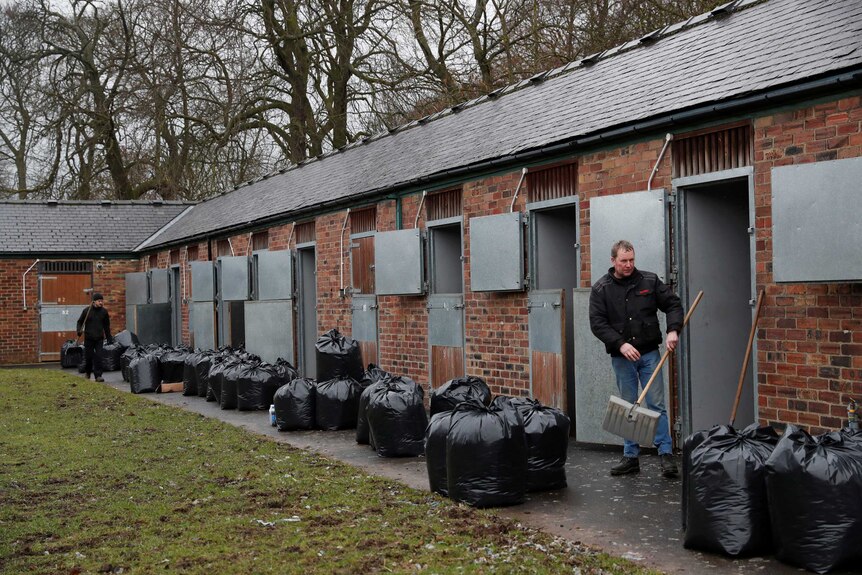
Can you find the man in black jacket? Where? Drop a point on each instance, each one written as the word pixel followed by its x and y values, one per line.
pixel 95 324
pixel 623 314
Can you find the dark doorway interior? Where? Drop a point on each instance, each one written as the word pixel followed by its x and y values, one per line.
pixel 717 260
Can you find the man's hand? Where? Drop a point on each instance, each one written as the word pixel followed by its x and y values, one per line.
pixel 629 352
pixel 672 340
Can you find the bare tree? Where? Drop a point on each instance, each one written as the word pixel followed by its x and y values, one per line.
pixel 29 137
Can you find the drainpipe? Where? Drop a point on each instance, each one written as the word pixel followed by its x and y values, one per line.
pixel 230 243
pixel 667 140
pixel 290 236
pixel 518 189
pixel 24 282
pixel 248 245
pixel 419 210
pixel 341 256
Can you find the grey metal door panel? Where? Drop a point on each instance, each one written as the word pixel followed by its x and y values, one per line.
pixel 815 215
pixel 203 287
pixel 131 319
pixel 364 324
pixel 160 290
pixel 269 329
pixel 545 321
pixel 137 290
pixel 595 381
pixel 497 253
pixel 399 263
pixel 274 275
pixel 60 318
pixel 153 323
pixel 233 278
pixel 202 320
pixel 446 320
pixel 638 217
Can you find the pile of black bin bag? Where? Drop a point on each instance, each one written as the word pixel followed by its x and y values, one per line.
pixel 750 493
pixel 491 453
pixel 72 352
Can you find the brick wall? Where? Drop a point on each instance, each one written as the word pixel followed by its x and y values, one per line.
pixel 497 336
pixel 110 281
pixel 19 328
pixel 402 322
pixel 809 339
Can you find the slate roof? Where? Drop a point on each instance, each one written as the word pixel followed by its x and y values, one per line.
pixel 750 48
pixel 39 227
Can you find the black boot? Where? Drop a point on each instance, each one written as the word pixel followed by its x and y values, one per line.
pixel 626 465
pixel 668 466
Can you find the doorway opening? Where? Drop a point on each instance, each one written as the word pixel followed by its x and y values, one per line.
pixel 555 266
pixel 307 282
pixel 716 255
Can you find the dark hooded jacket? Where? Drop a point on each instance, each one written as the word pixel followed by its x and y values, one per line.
pixel 98 324
pixel 625 311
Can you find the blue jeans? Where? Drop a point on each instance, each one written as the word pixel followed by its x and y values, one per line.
pixel 631 375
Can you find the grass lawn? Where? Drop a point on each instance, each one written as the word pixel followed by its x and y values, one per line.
pixel 93 480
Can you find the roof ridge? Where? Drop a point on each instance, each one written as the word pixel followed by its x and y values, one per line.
pixel 98 202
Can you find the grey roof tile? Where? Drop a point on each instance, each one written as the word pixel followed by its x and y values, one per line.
pixel 81 227
pixel 704 60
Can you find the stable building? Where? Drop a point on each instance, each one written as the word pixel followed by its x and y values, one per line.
pixel 727 148
pixel 54 255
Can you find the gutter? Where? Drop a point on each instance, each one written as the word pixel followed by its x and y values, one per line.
pixel 843 80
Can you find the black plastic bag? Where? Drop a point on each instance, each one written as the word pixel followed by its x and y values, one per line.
pixel 373 374
pixel 486 455
pixel 216 375
pixel 547 434
pixel 127 357
pixel 338 357
pixel 229 378
pixel 112 356
pixel 255 385
pixel 71 354
pixel 337 404
pixel 126 339
pixel 285 370
pixel 202 364
pixel 190 375
pixel 362 435
pixel 814 486
pixel 727 510
pixel 144 373
pixel 454 391
pixel 295 405
pixel 435 452
pixel 172 363
pixel 397 418
pixel 688 446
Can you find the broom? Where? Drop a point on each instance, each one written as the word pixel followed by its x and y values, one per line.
pixel 631 421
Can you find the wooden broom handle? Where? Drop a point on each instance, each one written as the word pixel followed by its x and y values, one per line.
pixel 751 335
pixel 667 352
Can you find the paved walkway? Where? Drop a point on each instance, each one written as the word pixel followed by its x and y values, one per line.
pixel 636 516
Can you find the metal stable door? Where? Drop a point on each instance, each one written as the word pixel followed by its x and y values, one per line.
pixel 233 286
pixel 547 326
pixel 446 337
pixel 269 317
pixel 639 217
pixel 202 317
pixel 364 326
pixel 306 279
pixel 137 293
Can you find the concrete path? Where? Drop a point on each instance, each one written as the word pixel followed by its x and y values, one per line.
pixel 637 516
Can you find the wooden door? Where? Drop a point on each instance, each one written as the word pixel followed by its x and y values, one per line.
pixel 62 297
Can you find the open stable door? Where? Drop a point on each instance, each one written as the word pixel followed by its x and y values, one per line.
pixel 269 316
pixel 233 290
pixel 202 317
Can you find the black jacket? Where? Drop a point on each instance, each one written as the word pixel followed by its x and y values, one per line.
pixel 98 323
pixel 625 311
